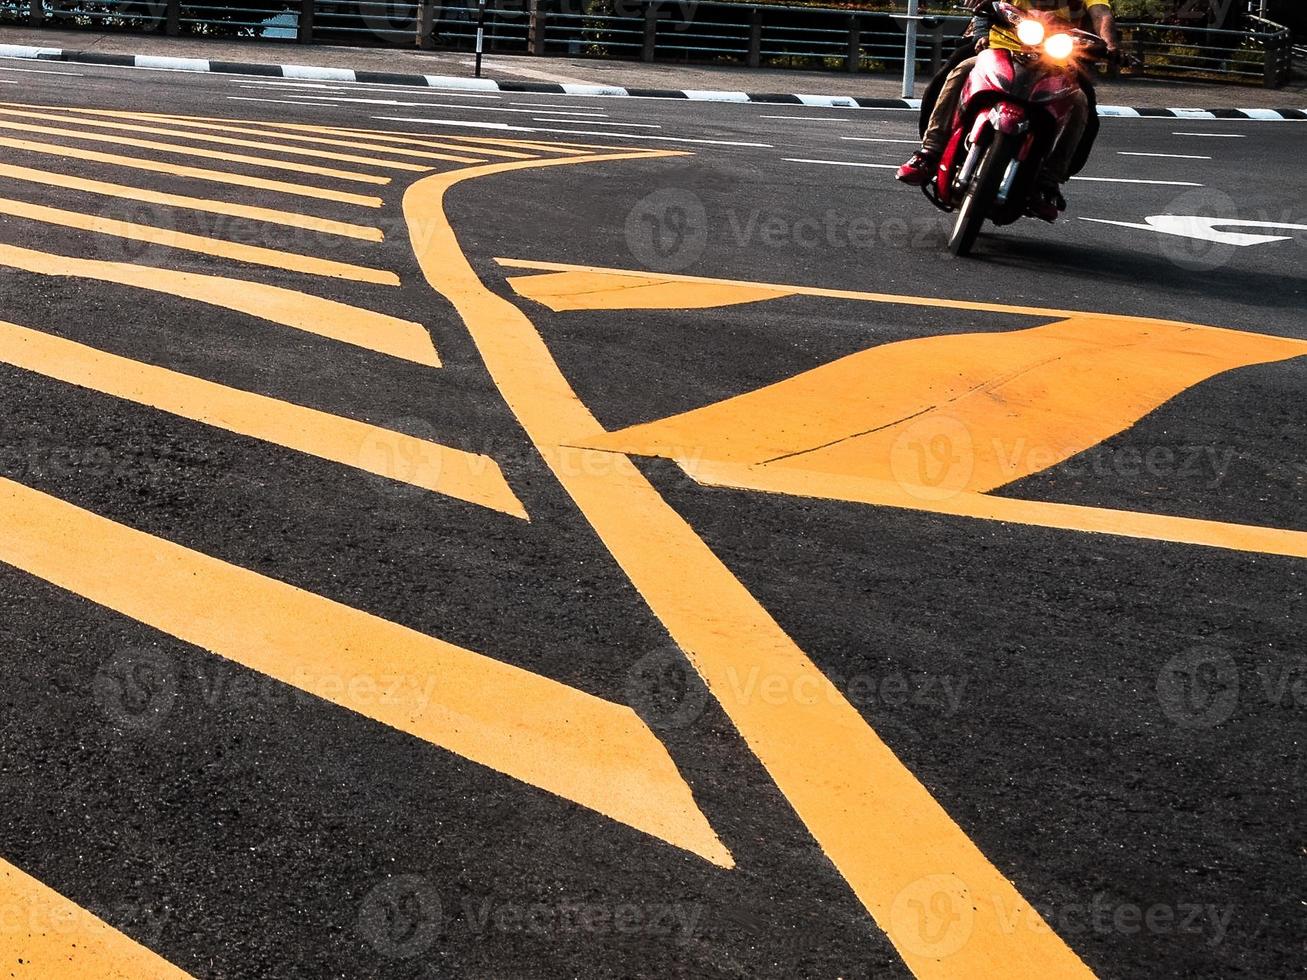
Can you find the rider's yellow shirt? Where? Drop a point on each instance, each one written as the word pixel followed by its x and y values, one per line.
pixel 1074 12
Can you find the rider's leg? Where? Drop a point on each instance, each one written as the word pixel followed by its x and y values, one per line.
pixel 1058 166
pixel 920 169
pixel 941 120
pixel 1047 201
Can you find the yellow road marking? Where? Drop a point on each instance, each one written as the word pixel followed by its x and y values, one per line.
pixel 253 254
pixel 880 827
pixel 229 141
pixel 567 291
pixel 44 936
pixel 227 127
pixel 179 149
pixel 296 130
pixel 984 506
pixel 196 173
pixel 396 138
pixel 1019 401
pixel 996 406
pixel 289 219
pixel 464 476
pixel 546 734
pixel 301 311
pixel 792 290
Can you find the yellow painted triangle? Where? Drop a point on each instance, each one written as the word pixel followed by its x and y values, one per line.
pixel 565 291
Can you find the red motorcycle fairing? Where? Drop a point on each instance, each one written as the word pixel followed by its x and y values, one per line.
pixel 1054 93
pixel 995 71
pixel 1006 117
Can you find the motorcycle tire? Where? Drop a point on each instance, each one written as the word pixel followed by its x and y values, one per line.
pixel 980 196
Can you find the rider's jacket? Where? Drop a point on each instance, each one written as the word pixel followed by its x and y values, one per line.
pixel 1074 12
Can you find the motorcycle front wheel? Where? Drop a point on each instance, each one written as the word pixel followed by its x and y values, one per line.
pixel 981 195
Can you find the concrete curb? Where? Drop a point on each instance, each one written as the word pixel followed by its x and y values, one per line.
pixel 453 83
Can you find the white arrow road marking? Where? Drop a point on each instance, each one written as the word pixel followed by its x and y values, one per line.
pixel 1206 229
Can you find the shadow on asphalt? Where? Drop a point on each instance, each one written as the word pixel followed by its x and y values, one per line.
pixel 1241 285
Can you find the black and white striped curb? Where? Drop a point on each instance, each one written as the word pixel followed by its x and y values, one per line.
pixel 453 83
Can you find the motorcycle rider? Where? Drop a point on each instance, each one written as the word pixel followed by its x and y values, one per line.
pixel 1048 202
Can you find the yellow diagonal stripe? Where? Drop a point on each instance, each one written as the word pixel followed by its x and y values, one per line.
pixel 254 254
pixel 229 141
pixel 402 140
pixel 302 311
pixel 192 123
pixel 394 455
pixel 195 173
pixel 180 149
pixel 289 219
pixel 564 741
pixel 44 936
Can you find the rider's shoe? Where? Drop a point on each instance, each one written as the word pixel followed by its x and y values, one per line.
pixel 920 170
pixel 1047 202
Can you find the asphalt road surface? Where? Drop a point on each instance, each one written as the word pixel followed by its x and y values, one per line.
pixel 469 535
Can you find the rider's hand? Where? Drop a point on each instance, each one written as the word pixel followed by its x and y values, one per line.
pixel 982 42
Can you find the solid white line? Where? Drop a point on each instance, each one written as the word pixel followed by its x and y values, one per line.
pixel 569 132
pixel 846 163
pixel 306 105
pixel 44 71
pixel 1123 180
pixel 1219 136
pixel 545 105
pixel 249 81
pixel 1165 156
pixel 584 116
pixel 595 122
pixel 878 139
pixel 810 118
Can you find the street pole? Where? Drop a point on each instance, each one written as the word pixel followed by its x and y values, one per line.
pixel 910 52
pixel 481 33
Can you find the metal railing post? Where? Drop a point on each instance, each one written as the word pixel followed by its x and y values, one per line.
pixel 650 32
pixel 172 18
pixel 535 34
pixel 853 57
pixel 304 33
pixel 910 51
pixel 426 25
pixel 755 37
pixel 36 12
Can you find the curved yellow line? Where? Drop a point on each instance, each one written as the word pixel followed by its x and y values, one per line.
pixel 903 855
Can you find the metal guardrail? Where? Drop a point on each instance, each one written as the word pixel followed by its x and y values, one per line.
pixel 711 31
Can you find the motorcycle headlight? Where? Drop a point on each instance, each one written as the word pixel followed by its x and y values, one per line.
pixel 1031 32
pixel 1060 46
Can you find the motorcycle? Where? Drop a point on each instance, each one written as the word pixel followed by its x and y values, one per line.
pixel 1012 110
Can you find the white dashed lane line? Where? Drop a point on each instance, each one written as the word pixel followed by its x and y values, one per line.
pixel 878 139
pixel 1164 156
pixel 596 122
pixel 845 163
pixel 1219 136
pixel 306 105
pixel 1131 180
pixel 808 118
